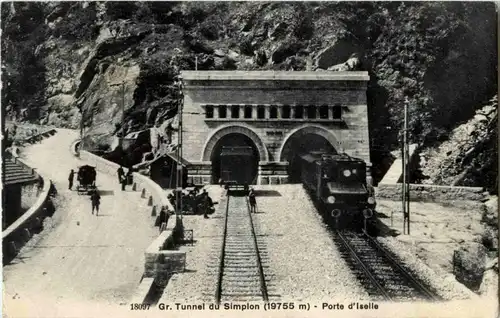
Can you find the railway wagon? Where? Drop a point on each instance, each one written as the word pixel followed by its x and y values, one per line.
pixel 234 166
pixel 337 183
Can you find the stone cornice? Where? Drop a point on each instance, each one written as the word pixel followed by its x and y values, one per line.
pixel 273 76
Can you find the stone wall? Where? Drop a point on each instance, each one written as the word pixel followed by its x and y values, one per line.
pixel 161 262
pixel 21 231
pixel 34 198
pixel 29 195
pixel 432 193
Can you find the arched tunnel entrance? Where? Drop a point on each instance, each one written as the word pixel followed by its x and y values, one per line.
pixel 235 158
pixel 300 144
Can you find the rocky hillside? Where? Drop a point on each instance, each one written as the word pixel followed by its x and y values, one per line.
pixel 470 153
pixel 67 58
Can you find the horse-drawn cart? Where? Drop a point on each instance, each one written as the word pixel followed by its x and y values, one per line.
pixel 86 179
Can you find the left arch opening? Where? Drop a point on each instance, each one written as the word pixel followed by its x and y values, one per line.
pixel 235 157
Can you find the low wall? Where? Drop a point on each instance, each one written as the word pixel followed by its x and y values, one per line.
pixel 19 232
pixel 432 193
pixel 40 136
pixel 74 148
pixel 161 260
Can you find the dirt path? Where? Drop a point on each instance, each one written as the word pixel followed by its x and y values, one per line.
pixel 82 258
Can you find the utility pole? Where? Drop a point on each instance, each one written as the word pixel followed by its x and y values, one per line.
pixel 406 181
pixel 407 151
pixel 179 176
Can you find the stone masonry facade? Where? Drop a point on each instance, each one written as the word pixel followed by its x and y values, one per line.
pixel 272 108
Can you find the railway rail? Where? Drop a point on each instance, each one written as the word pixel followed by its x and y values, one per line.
pixel 382 276
pixel 241 276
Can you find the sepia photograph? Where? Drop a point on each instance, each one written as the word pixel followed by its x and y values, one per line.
pixel 250 158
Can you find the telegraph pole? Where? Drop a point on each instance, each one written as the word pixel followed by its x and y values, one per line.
pixel 179 177
pixel 407 151
pixel 406 181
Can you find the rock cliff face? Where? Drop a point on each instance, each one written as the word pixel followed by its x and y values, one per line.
pixel 65 59
pixel 469 153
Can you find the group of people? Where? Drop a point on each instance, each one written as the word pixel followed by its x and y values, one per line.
pixel 194 202
pixel 123 178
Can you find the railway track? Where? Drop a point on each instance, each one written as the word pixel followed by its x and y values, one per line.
pixel 382 276
pixel 241 277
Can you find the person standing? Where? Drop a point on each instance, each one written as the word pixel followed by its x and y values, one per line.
pixel 123 181
pixel 120 174
pixel 96 201
pixel 169 131
pixel 129 176
pixel 205 205
pixel 70 178
pixel 253 201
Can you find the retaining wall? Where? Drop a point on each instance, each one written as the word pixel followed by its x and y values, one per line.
pixel 19 232
pixel 40 136
pixel 432 193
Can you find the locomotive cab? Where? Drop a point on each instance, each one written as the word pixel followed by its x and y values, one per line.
pixel 338 183
pixel 344 180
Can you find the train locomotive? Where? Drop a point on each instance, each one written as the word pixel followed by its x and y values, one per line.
pixel 337 184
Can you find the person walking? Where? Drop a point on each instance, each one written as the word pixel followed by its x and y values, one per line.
pixel 252 201
pixel 120 174
pixel 70 178
pixel 96 201
pixel 129 176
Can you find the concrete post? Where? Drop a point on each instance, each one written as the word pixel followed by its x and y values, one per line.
pixel 267 111
pixel 143 193
pixel 254 111
pixel 330 112
pixel 26 234
pixel 153 211
pixel 150 200
pixel 134 187
pixel 12 248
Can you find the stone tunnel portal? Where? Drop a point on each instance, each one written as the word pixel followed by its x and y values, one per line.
pixel 298 145
pixel 238 166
